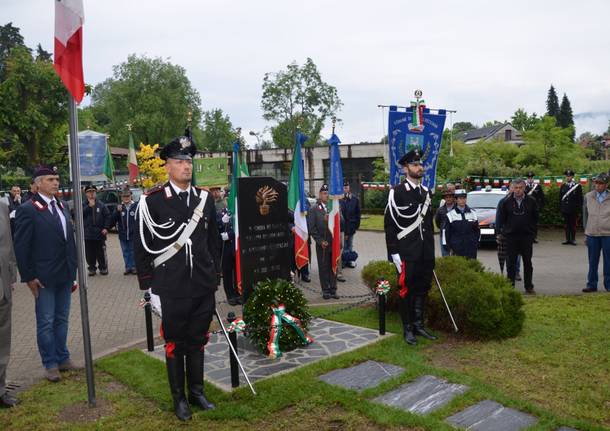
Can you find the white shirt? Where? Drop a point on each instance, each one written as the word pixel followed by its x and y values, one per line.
pixel 178 190
pixel 59 211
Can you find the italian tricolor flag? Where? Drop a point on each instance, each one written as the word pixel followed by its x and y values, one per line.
pixel 239 170
pixel 298 203
pixel 68 55
pixel 132 162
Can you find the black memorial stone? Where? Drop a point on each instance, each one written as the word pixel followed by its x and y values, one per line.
pixel 263 231
pixel 362 376
pixel 489 415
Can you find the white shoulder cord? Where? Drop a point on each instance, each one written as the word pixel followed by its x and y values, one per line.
pixel 145 218
pixel 392 205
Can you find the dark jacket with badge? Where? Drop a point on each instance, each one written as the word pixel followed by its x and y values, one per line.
pixel 96 219
pixel 125 221
pixel 175 277
pixel 419 243
pixel 350 210
pixel 461 232
pixel 42 250
pixel 317 224
pixel 571 203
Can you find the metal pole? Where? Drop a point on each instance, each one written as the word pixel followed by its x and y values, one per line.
pixel 440 289
pixel 224 331
pixel 232 357
pixel 80 249
pixel 381 314
pixel 150 340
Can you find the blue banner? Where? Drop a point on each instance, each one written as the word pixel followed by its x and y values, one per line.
pixel 92 150
pixel 336 170
pixel 401 139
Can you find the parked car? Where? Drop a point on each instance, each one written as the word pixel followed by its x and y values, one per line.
pixel 485 203
pixel 111 196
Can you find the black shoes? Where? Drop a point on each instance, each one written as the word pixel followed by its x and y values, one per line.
pixel 518 277
pixel 589 290
pixel 326 295
pixel 194 378
pixel 305 279
pixel 334 296
pixel 7 401
pixel 565 243
pixel 91 273
pixel 419 304
pixel 420 330
pixel 530 291
pixel 104 271
pixel 409 336
pixel 236 300
pixel 340 278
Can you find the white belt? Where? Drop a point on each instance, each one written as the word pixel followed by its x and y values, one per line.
pixel 406 231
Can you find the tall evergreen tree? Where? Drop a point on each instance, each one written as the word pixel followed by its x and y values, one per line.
pixel 552 103
pixel 565 117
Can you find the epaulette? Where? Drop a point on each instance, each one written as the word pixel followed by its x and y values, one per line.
pixel 38 205
pixel 155 189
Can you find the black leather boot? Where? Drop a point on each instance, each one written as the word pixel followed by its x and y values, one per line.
pixel 175 376
pixel 194 378
pixel 409 335
pixel 418 326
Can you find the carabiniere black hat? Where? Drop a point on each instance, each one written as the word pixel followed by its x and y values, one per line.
pixel 411 157
pixel 180 148
pixel 324 188
pixel 530 174
pixel 44 170
pixel 601 178
pixel 345 183
pixel 569 173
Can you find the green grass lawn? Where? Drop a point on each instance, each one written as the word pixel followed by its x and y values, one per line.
pixel 558 369
pixel 372 222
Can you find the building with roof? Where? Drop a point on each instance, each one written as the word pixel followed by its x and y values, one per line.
pixel 501 131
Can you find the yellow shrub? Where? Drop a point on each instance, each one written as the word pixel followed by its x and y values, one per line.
pixel 152 170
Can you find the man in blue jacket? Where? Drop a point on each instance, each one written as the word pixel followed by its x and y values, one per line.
pixel 96 222
pixel 46 257
pixel 124 218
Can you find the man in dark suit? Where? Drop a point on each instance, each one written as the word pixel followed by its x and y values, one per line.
pixel 176 255
pixel 124 218
pixel 317 223
pixel 8 277
pixel 96 222
pixel 410 241
pixel 570 202
pixel 46 257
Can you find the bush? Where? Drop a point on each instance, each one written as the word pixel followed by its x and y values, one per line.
pixel 376 269
pixel 375 198
pixel 484 304
pixel 258 313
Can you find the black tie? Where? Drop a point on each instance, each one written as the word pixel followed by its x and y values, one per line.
pixel 184 196
pixel 56 216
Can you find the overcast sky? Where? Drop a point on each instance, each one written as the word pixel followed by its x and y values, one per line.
pixel 484 59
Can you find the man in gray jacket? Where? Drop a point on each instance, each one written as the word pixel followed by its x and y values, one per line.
pixel 596 219
pixel 8 277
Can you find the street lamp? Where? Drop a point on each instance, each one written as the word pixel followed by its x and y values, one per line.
pixel 257 136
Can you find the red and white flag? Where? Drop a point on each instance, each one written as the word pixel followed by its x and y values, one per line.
pixel 132 162
pixel 68 61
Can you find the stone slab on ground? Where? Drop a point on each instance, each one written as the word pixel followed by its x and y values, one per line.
pixel 330 338
pixel 423 395
pixel 489 415
pixel 362 376
pixel 567 429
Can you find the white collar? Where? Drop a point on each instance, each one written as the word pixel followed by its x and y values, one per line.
pixel 415 186
pixel 178 189
pixel 46 199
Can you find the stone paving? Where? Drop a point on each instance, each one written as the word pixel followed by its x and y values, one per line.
pixel 490 415
pixel 330 338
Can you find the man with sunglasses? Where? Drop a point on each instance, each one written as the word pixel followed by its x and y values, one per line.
pixel 519 224
pixel 410 240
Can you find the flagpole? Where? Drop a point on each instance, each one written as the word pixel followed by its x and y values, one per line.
pixel 77 199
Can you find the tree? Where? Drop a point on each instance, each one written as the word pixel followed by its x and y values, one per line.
pixel 217 133
pixel 552 103
pixel 33 108
pixel 41 54
pixel 10 37
pixel 463 126
pixel 522 121
pixel 551 147
pixel 565 117
pixel 593 144
pixel 492 123
pixel 298 93
pixel 152 95
pixel 151 167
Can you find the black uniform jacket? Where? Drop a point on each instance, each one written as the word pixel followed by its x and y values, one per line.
pixel 573 202
pixel 536 192
pixel 174 277
pixel 418 244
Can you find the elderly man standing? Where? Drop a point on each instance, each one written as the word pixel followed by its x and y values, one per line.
pixel 519 224
pixel 8 276
pixel 596 219
pixel 46 257
pixel 96 222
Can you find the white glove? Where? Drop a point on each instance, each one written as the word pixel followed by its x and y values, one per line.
pixel 225 236
pixel 397 262
pixel 226 219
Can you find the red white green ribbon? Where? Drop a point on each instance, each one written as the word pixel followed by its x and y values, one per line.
pixel 382 287
pixel 417 122
pixel 281 316
pixel 238 325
